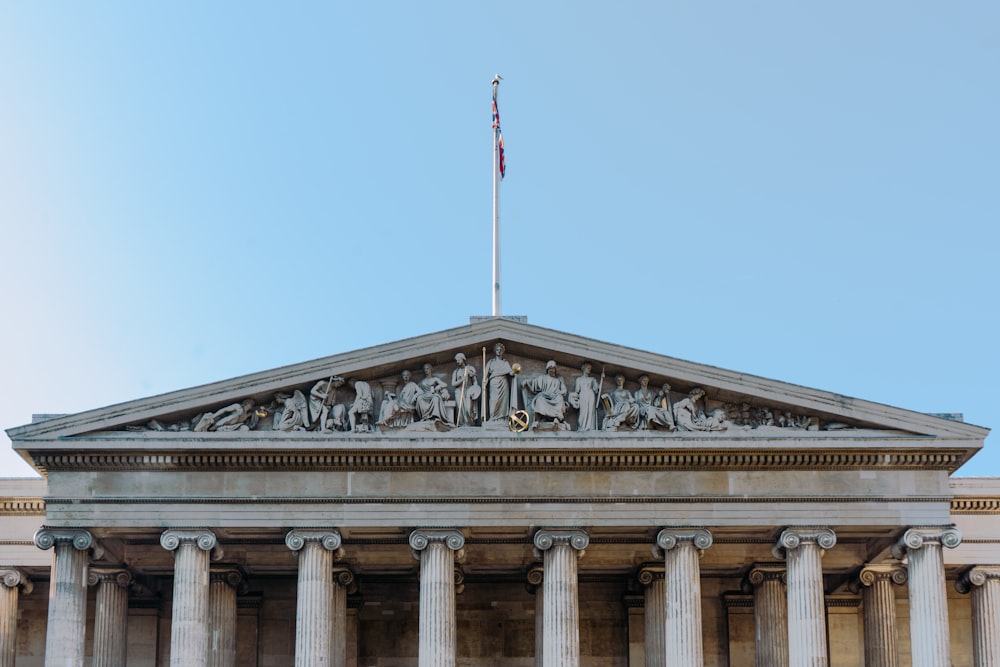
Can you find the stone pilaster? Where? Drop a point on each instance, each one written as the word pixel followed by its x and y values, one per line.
pixel 654 607
pixel 64 639
pixel 189 622
pixel 984 584
pixel 12 582
pixel 314 602
pixel 929 641
pixel 110 615
pixel 803 550
pixel 877 582
pixel 224 583
pixel 770 613
pixel 343 580
pixel 436 551
pixel 560 611
pixel 681 548
pixel 536 576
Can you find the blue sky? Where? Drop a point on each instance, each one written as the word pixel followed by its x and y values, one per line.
pixel 194 191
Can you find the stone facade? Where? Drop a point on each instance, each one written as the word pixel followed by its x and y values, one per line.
pixel 330 513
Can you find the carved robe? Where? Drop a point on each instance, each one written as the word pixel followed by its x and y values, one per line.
pixel 624 410
pixel 584 398
pixel 651 413
pixel 430 400
pixel 549 398
pixel 467 404
pixel 497 380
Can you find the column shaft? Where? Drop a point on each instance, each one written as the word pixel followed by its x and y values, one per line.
pixel 654 609
pixel 770 615
pixel 110 617
pixel 222 620
pixel 436 552
pixel 189 620
pixel 879 601
pixel 984 583
pixel 338 626
pixel 803 550
pixel 929 634
pixel 11 581
pixel 560 602
pixel 314 606
pixel 66 630
pixel 682 582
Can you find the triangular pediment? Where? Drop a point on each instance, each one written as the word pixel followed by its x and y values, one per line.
pixel 732 403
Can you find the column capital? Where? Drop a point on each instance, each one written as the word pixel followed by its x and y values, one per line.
pixel 668 538
pixel 872 573
pixel 11 577
pixel 112 575
pixel 762 572
pixel 794 537
pixel 650 572
pixel 535 577
pixel 344 577
pixel 46 538
pixel 976 576
pixel 328 538
pixel 172 538
pixel 422 538
pixel 546 538
pixel 230 575
pixel 918 537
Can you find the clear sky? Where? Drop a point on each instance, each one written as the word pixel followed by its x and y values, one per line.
pixel 193 191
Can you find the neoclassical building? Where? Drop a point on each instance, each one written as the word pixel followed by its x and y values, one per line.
pixel 499 494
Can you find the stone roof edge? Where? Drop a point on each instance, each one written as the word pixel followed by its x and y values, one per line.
pixel 388 354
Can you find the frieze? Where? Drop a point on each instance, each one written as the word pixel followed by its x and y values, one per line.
pixel 502 393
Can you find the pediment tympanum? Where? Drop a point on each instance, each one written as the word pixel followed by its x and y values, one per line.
pixel 498 376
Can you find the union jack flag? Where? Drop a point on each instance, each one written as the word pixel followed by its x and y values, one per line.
pixel 499 135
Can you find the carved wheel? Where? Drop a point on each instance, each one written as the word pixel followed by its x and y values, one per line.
pixel 518 421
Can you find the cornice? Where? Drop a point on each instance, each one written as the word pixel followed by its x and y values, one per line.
pixel 384 459
pixel 975 505
pixel 21 506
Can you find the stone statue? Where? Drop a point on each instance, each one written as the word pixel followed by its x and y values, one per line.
pixel 688 415
pixel 584 399
pixel 467 392
pixel 294 411
pixel 397 409
pixel 496 378
pixel 430 400
pixel 652 413
pixel 233 417
pixel 622 410
pixel 362 407
pixel 324 412
pixel 550 391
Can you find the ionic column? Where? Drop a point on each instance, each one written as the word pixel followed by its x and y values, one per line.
pixel 110 615
pixel 536 576
pixel 66 630
pixel 12 581
pixel 314 601
pixel 803 550
pixel 681 548
pixel 343 579
pixel 654 608
pixel 435 549
pixel 930 645
pixel 879 600
pixel 224 583
pixel 189 622
pixel 983 581
pixel 770 614
pixel 560 605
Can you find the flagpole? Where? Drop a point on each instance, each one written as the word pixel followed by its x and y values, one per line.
pixel 496 203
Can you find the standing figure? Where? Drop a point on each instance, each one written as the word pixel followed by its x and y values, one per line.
pixel 550 392
pixel 467 392
pixel 397 409
pixel 622 410
pixel 362 407
pixel 584 399
pixel 651 413
pixel 323 409
pixel 496 378
pixel 430 400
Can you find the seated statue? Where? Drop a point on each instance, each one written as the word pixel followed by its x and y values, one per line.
pixel 549 401
pixel 621 408
pixel 398 408
pixel 430 400
pixel 653 413
pixel 688 415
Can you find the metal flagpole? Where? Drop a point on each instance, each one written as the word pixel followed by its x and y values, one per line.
pixel 496 199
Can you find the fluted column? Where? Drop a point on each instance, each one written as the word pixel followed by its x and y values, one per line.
pixel 224 584
pixel 536 577
pixel 110 615
pixel 681 548
pixel 560 610
pixel 66 630
pixel 436 551
pixel 803 550
pixel 929 641
pixel 12 581
pixel 343 580
pixel 877 582
pixel 189 622
pixel 984 584
pixel 770 614
pixel 314 602
pixel 654 612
